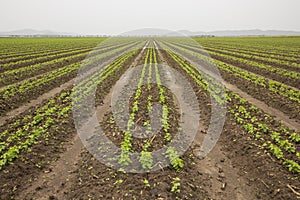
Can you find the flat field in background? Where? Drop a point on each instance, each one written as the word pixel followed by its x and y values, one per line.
pixel 256 157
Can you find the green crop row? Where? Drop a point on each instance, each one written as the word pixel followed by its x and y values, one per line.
pixel 45 58
pixel 11 76
pixel 17 47
pixel 60 50
pixel 146 158
pixel 273 86
pixel 171 153
pixel 9 93
pixel 55 111
pixel 40 55
pixel 207 83
pixel 280 48
pixel 34 127
pixel 279 142
pixel 262 54
pixel 249 62
pixel 126 145
pixel 275 141
pixel 246 55
pixel 83 88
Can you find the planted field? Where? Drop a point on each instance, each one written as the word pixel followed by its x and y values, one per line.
pixel 150 118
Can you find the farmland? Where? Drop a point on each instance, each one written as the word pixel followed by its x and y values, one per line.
pixel 51 90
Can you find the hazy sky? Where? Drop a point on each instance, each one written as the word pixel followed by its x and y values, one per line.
pixel 118 16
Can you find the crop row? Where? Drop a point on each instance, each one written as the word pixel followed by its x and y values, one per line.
pixel 279 141
pixel 245 55
pixel 287 47
pixel 10 76
pixel 41 54
pixel 150 66
pixel 84 87
pixel 22 134
pixel 11 48
pixel 249 62
pixel 56 55
pixel 262 53
pixel 277 61
pixel 272 86
pixel 126 145
pixel 28 89
pixel 23 61
pixel 171 153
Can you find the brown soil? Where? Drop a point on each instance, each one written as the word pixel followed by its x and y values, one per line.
pixel 276 65
pixel 19 179
pixel 16 65
pixel 283 117
pixel 32 56
pixel 275 102
pixel 7 105
pixel 271 75
pixel 35 102
pixel 25 170
pixel 237 168
pixel 236 145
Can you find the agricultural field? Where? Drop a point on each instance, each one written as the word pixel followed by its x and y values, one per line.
pixel 54 90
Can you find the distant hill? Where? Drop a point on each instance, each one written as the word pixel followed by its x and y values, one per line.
pixel 223 33
pixel 160 32
pixel 252 32
pixel 32 32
